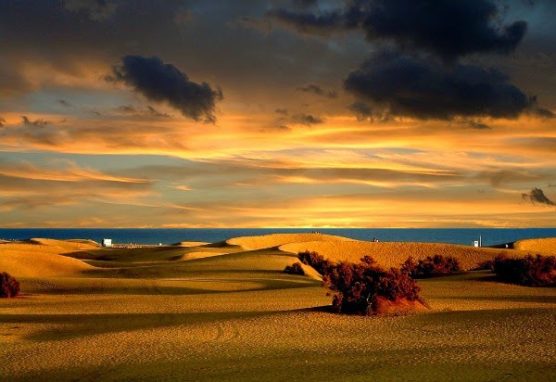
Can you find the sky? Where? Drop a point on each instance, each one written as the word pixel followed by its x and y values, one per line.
pixel 293 113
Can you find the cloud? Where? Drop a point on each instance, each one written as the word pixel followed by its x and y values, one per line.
pixel 162 82
pixel 447 28
pixel 97 10
pixel 64 103
pixel 423 87
pixel 25 185
pixel 316 89
pixel 306 119
pixel 536 195
pixel 37 122
pixel 146 112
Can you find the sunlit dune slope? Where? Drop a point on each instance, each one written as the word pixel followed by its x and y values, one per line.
pixel 41 258
pixel 275 240
pixel 191 243
pixel 392 254
pixel 545 246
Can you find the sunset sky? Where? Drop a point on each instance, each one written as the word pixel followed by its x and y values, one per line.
pixel 294 113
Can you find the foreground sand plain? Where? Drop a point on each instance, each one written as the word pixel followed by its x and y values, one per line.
pixel 225 311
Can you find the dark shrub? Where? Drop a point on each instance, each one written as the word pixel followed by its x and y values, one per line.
pixel 294 269
pixel 313 259
pixel 530 270
pixel 9 286
pixel 358 286
pixel 436 265
pixel 487 265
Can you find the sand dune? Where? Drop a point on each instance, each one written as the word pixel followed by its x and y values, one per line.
pixel 275 240
pixel 191 244
pixel 392 254
pixel 236 316
pixel 544 246
pixel 40 259
pixel 201 255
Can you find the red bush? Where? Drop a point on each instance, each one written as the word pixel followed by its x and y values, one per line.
pixel 9 286
pixel 313 259
pixel 437 265
pixel 294 269
pixel 530 270
pixel 359 286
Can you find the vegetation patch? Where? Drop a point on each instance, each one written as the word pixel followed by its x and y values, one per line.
pixel 530 270
pixel 432 266
pixel 294 269
pixel 364 288
pixel 9 286
pixel 313 259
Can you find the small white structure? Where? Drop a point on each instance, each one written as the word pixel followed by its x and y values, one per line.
pixel 476 243
pixel 106 242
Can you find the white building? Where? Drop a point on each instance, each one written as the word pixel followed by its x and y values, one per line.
pixel 106 242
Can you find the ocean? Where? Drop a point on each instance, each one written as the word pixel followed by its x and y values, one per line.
pixel 466 236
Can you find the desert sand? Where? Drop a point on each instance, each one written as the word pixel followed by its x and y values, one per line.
pixel 227 312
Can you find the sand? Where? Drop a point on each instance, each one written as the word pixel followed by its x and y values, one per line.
pixel 139 315
pixel 276 240
pixel 392 254
pixel 534 246
pixel 40 259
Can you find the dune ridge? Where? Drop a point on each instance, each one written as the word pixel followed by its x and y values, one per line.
pixel 393 254
pixel 279 239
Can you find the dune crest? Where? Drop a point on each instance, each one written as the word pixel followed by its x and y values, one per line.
pixel 279 239
pixel 393 254
pixel 41 258
pixel 545 245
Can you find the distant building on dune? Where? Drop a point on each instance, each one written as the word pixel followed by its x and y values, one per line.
pixel 106 242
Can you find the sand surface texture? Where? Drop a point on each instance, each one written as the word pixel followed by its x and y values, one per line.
pixel 226 312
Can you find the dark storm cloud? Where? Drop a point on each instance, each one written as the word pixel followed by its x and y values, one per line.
pixel 422 87
pixel 317 90
pixel 162 82
pixel 445 27
pixel 536 195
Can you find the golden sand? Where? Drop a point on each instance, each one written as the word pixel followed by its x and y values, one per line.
pixel 275 240
pixel 136 314
pixel 534 246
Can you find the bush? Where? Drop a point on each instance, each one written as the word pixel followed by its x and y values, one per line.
pixel 437 265
pixel 487 265
pixel 530 270
pixel 294 269
pixel 9 286
pixel 359 286
pixel 313 259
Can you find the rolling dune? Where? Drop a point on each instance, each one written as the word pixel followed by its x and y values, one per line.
pixel 393 254
pixel 41 258
pixel 534 246
pixel 276 240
